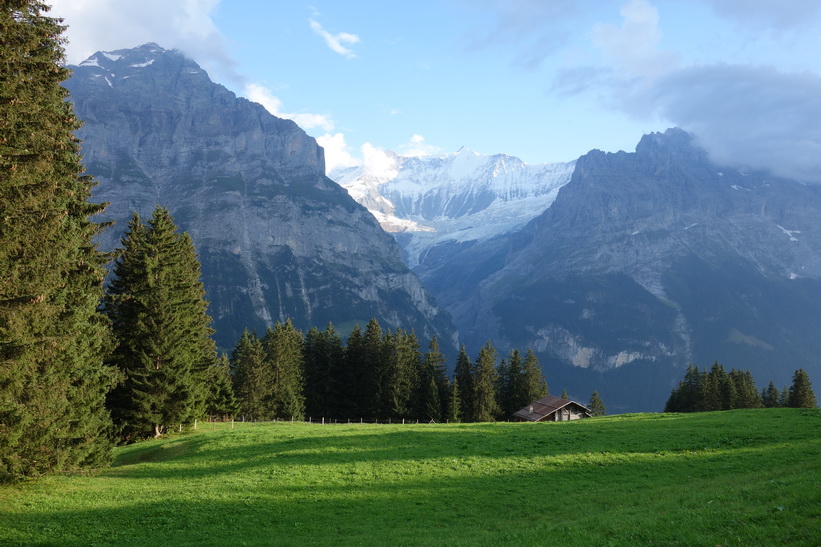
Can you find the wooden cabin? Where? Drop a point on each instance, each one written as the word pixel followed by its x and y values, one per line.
pixel 552 409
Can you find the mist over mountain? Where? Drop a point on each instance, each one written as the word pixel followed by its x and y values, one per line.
pixel 275 236
pixel 645 262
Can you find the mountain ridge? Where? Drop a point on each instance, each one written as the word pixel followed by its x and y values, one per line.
pixel 277 239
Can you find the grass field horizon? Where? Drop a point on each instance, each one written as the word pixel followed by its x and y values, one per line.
pixel 744 477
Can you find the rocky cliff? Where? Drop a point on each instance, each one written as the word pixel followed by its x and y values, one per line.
pixel 276 237
pixel 647 261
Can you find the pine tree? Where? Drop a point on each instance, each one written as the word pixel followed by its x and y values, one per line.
pixel 251 382
pixel 485 408
pixel 596 405
pixel 454 412
pixel 402 374
pixel 53 380
pixel 463 379
pixel 532 385
pixel 770 395
pixel 801 394
pixel 746 394
pixel 506 377
pixel 282 348
pixel 220 402
pixel 323 356
pixel 354 394
pixel 156 303
pixel 433 404
pixel 564 393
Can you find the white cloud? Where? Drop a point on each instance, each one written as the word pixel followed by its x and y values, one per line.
pixel 262 95
pixel 336 41
pixel 379 163
pixel 337 152
pixel 632 48
pixel 755 117
pixel 104 25
pixel 417 146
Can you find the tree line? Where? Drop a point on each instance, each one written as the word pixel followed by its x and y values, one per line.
pixel 716 389
pixel 375 375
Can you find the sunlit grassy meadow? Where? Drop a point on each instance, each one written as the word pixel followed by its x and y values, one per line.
pixel 748 477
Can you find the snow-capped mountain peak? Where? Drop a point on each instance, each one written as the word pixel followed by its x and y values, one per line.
pixel 463 196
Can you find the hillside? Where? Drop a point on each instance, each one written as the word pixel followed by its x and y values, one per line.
pixel 749 477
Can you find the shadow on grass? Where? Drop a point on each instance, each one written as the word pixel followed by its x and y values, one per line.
pixel 751 495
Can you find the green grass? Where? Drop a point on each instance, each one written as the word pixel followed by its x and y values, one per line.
pixel 748 477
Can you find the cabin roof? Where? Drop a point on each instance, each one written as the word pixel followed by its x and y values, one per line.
pixel 545 406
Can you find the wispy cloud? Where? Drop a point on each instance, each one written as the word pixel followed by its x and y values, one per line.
pixel 417 146
pixel 96 25
pixel 337 42
pixel 262 95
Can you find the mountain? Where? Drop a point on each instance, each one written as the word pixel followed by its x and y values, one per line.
pixel 644 262
pixel 434 204
pixel 275 236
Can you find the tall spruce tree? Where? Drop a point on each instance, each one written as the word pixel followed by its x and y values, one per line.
pixel 282 348
pixel 596 404
pixel 769 395
pixel 324 367
pixel 433 391
pixel 156 303
pixel 250 377
pixel 402 374
pixel 463 380
pixel 801 394
pixel 53 380
pixel 485 407
pixel 220 402
pixel 531 385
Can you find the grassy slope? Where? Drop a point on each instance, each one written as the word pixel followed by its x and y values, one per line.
pixel 735 478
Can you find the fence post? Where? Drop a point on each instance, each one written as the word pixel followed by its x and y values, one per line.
pixel 195 424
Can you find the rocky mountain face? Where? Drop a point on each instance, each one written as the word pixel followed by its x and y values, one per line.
pixel 276 238
pixel 645 262
pixel 437 204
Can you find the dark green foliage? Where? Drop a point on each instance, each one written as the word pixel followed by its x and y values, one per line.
pixel 323 356
pixel 596 405
pixel 159 316
pixel 801 393
pixel 531 385
pixel 433 391
pixel 718 390
pixel 454 412
pixel 283 359
pixel 52 342
pixel 402 375
pixel 463 380
pixel 220 402
pixel 770 396
pixel 485 407
pixel 250 376
pixel 564 394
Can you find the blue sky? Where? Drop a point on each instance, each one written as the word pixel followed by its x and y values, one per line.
pixel 544 80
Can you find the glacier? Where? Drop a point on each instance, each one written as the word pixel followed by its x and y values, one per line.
pixel 460 197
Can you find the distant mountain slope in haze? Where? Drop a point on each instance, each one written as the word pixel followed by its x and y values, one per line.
pixel 647 261
pixel 435 203
pixel 276 238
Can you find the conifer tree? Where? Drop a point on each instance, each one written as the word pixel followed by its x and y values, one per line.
pixel 323 356
pixel 251 383
pixel 282 348
pixel 220 402
pixel 485 408
pixel 532 385
pixel 454 412
pixel 596 404
pixel 156 303
pixel 505 381
pixel 564 393
pixel 402 375
pixel 801 394
pixel 354 397
pixel 53 380
pixel 463 379
pixel 433 368
pixel 770 395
